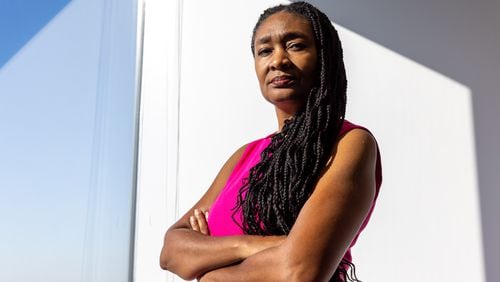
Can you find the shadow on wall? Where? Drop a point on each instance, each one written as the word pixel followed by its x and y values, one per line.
pixel 21 20
pixel 460 40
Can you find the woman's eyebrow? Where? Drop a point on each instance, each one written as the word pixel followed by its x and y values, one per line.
pixel 287 36
pixel 264 39
pixel 293 35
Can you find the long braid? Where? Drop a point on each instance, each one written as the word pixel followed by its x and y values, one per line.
pixel 280 184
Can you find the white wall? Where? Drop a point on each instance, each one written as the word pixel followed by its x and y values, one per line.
pixel 426 222
pixel 426 226
pixel 460 40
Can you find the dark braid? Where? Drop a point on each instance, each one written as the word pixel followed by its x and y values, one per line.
pixel 280 184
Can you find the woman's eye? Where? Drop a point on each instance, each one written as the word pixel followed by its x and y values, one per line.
pixel 296 46
pixel 264 52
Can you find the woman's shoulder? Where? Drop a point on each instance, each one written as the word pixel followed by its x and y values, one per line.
pixel 247 150
pixel 357 147
pixel 257 145
pixel 356 142
pixel 348 126
pixel 358 136
pixel 355 150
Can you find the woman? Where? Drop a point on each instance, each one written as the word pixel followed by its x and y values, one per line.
pixel 289 206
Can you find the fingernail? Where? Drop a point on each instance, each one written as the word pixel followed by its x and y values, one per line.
pixel 206 214
pixel 196 212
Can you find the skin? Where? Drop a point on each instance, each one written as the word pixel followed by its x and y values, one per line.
pixel 284 47
pixel 332 215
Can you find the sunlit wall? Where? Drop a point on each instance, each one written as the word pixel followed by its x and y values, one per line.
pixel 416 228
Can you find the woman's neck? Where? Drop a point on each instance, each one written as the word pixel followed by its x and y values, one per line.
pixel 282 116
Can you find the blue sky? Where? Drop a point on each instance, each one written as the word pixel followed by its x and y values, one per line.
pixel 20 20
pixel 68 109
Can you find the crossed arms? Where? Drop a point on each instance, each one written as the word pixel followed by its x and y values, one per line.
pixel 322 233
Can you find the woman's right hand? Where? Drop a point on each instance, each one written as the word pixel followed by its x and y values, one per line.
pixel 199 222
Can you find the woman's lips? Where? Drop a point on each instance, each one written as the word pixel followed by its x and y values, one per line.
pixel 282 81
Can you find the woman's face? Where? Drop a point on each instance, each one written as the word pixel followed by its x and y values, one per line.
pixel 285 60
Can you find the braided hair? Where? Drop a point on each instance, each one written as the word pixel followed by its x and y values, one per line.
pixel 277 188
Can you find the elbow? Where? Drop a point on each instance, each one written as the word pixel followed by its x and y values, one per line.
pixel 169 264
pixel 164 262
pixel 165 257
pixel 172 260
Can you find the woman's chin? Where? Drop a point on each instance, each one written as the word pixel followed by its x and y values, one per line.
pixel 284 95
pixel 289 106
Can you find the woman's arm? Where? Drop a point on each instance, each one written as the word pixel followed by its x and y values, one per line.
pixel 326 225
pixel 190 253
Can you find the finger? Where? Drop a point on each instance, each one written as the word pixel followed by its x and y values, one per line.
pixel 194 223
pixel 202 222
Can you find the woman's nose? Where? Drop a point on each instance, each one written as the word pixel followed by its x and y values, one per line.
pixel 279 60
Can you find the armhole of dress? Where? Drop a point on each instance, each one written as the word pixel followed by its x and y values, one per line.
pixel 248 149
pixel 348 126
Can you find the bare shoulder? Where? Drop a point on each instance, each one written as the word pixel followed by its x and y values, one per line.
pixel 355 152
pixel 358 136
pixel 352 165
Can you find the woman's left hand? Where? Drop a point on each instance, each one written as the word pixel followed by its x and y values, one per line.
pixel 198 222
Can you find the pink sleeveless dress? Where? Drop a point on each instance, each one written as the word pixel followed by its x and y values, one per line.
pixel 220 220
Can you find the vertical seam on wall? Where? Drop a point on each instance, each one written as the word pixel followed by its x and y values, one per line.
pixel 140 25
pixel 179 68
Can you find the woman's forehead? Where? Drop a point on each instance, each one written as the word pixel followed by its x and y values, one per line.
pixel 282 23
